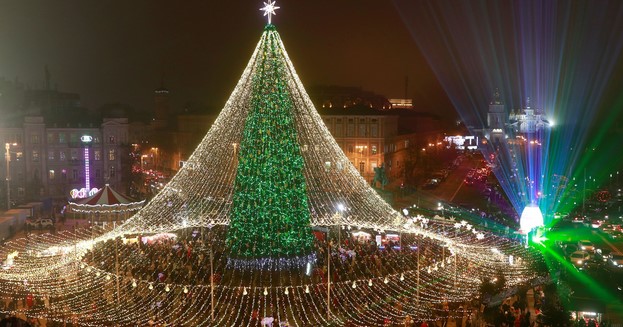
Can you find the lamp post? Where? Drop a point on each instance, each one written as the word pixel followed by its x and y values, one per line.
pixel 86 141
pixel 339 215
pixel 328 279
pixel 155 157
pixel 7 156
pixel 211 276
pixel 143 157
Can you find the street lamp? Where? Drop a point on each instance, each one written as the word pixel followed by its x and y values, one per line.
pixel 7 156
pixel 143 157
pixel 340 208
pixel 155 150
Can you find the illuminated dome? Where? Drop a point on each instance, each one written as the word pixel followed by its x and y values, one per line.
pixel 531 217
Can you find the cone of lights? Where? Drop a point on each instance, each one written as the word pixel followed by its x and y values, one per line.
pixel 240 235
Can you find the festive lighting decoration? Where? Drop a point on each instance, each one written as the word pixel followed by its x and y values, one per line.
pixel 105 201
pixel 270 216
pixel 531 217
pixel 525 64
pixel 231 239
pixel 269 9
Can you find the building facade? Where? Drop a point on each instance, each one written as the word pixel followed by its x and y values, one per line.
pixel 50 160
pixel 363 138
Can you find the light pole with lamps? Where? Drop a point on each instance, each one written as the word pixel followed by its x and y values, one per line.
pixel 155 157
pixel 7 156
pixel 339 216
pixel 143 157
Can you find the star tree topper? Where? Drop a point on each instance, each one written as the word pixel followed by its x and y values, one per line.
pixel 269 9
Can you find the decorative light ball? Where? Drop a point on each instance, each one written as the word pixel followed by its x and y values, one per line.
pixel 370 282
pixel 354 284
pixel 307 289
pixel 134 283
pixel 386 280
pixel 531 217
pixel 265 291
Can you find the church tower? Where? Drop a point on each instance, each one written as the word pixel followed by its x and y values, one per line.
pixel 161 107
pixel 496 118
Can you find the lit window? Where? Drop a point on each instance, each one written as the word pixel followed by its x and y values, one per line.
pixel 111 139
pixel 51 174
pixel 97 155
pixel 111 154
pixel 61 138
pixel 50 154
pixel 373 149
pixel 61 155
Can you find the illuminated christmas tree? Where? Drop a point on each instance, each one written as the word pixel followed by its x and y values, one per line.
pixel 270 220
pixel 265 174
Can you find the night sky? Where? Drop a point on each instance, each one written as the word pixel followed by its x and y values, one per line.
pixel 119 51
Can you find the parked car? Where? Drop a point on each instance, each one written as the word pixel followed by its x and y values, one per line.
pixel 615 260
pixel 431 183
pixel 602 254
pixel 586 245
pixel 579 258
pixel 596 223
pixel 40 223
pixel 614 234
pixel 569 248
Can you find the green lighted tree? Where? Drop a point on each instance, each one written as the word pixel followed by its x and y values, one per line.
pixel 270 218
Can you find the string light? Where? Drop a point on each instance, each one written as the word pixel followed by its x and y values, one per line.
pixel 253 190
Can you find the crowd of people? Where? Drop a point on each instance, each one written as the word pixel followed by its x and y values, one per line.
pixel 183 258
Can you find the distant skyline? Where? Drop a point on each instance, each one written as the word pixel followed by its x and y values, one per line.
pixel 120 51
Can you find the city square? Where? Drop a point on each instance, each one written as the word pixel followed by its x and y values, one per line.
pixel 331 205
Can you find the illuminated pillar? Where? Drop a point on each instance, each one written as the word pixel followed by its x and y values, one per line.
pixel 86 140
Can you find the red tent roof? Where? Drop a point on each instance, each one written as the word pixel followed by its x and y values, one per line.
pixel 105 196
